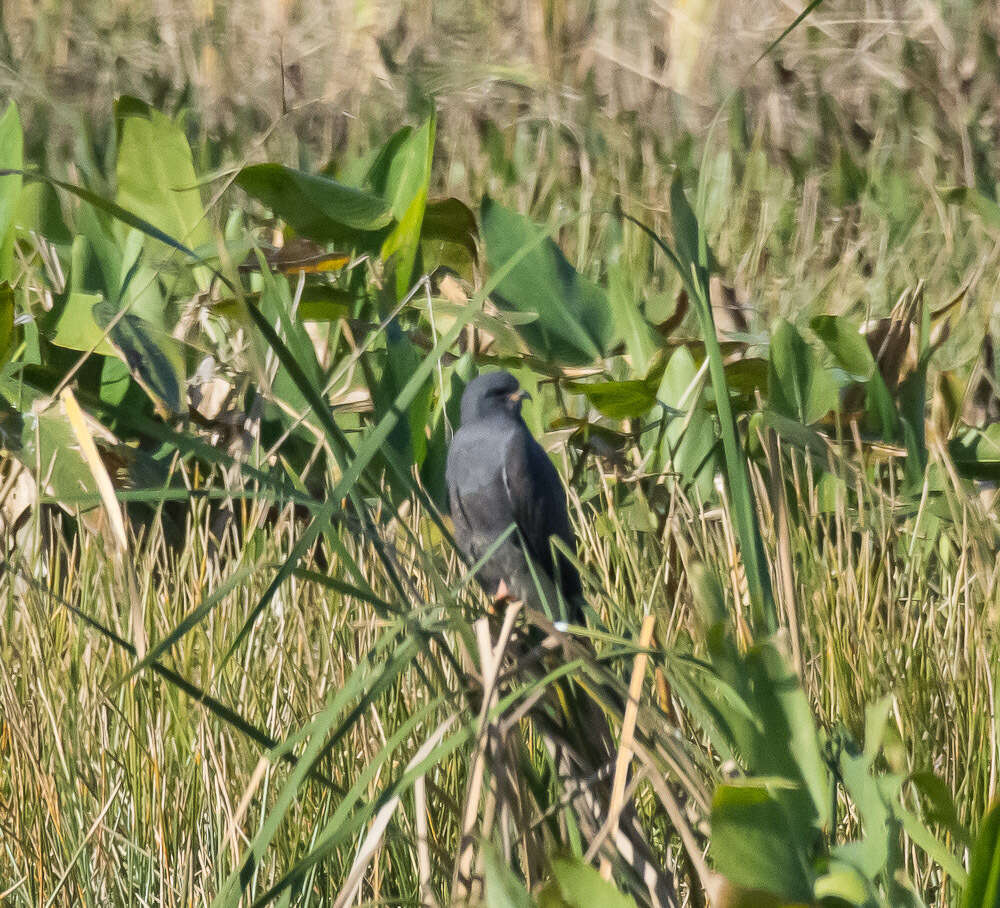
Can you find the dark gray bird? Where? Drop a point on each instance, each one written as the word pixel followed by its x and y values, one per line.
pixel 499 475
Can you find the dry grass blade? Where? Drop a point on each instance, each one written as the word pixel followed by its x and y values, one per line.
pixel 369 846
pixel 490 661
pixel 628 730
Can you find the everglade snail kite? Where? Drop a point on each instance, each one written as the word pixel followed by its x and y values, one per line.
pixel 499 475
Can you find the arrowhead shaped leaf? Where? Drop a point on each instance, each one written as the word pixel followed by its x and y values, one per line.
pixel 317 207
pixel 574 324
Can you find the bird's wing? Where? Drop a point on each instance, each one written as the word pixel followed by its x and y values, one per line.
pixel 538 503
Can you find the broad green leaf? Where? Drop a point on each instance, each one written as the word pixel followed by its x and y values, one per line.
pixel 503 889
pixel 6 321
pixel 574 324
pixel 408 440
pixel 578 885
pixel 940 805
pixel 983 888
pixel 871 854
pixel 618 399
pixel 155 174
pixel 315 206
pixel 73 325
pixel 798 385
pixel 847 345
pixel 37 432
pixel 689 240
pixel 924 839
pixel 754 846
pixel 451 221
pixel 790 744
pixel 407 185
pixel 38 210
pixel 379 165
pixel 687 443
pixel 843 881
pixel 409 168
pixel 972 199
pixel 11 158
pixel 976 452
pixel 640 340
pixel 147 354
pixel 852 354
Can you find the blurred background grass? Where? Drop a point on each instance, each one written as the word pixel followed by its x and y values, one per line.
pixel 820 163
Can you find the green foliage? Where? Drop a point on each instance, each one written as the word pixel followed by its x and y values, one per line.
pixel 984 870
pixel 315 206
pixel 798 385
pixel 302 398
pixel 572 320
pixel 754 844
pixel 11 158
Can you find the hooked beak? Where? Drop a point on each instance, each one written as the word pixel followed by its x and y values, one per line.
pixel 519 395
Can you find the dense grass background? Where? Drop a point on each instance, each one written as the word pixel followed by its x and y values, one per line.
pixel 822 176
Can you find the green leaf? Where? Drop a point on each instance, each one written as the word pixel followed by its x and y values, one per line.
pixel 408 180
pixel 6 321
pixel 842 881
pixel 640 339
pixel 687 443
pixel 617 399
pixel 574 324
pixel 578 885
pixel 317 207
pixel 976 452
pixel 408 439
pixel 11 158
pixel 689 240
pixel 503 889
pixel 940 805
pixel 73 326
pixel 847 345
pixel 798 385
pixel 975 201
pixel 451 221
pixel 853 355
pixel 150 355
pixel 155 173
pixel 790 745
pixel 38 210
pixel 983 888
pixel 409 168
pixel 38 433
pixel 753 844
pixel 120 214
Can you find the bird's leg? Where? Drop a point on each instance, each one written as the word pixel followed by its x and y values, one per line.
pixel 503 596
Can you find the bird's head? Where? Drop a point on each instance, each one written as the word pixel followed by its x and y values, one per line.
pixel 492 394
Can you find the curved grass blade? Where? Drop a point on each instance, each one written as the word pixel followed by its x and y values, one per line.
pixel 232 890
pixel 214 706
pixel 121 214
pixel 695 277
pixel 334 834
pixel 375 440
pixel 191 619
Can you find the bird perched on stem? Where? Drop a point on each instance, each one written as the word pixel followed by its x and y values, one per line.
pixel 498 475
